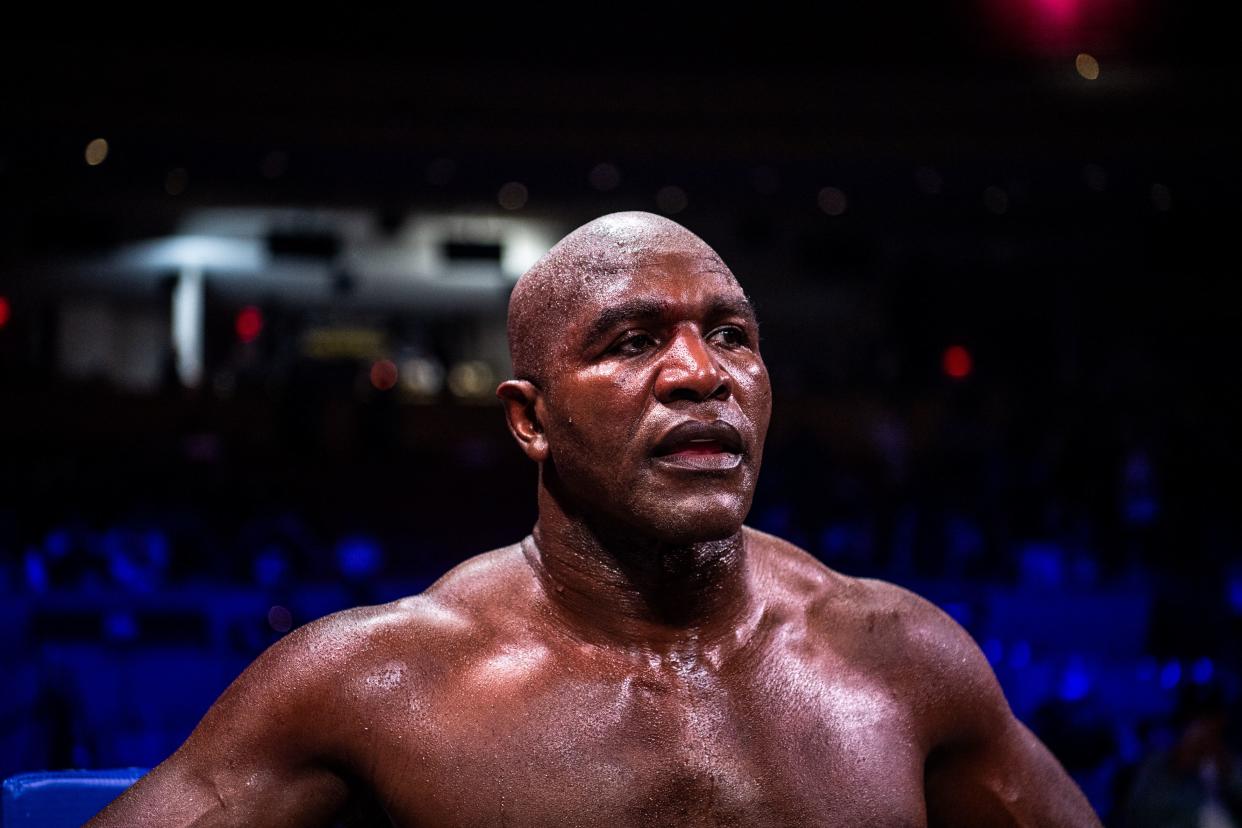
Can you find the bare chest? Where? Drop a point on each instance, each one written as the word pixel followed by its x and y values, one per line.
pixel 783 747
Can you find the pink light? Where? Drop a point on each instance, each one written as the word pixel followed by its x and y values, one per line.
pixel 1061 13
pixel 1057 28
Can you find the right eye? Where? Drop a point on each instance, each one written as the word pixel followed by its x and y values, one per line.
pixel 633 344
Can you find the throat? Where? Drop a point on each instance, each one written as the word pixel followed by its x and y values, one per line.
pixel 646 595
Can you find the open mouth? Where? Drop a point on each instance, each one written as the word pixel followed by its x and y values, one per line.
pixel 699 445
pixel 695 447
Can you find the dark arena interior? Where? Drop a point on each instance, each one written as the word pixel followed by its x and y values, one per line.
pixel 252 321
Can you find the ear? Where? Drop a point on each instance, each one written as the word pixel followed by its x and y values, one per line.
pixel 523 403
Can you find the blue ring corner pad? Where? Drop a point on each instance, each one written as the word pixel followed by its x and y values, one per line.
pixel 61 799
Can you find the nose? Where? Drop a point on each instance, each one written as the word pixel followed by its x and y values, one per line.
pixel 690 371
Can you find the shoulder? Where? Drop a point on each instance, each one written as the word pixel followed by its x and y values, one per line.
pixel 844 600
pixel 891 634
pixel 903 618
pixel 339 665
pixel 418 634
pixel 983 766
pixel 929 644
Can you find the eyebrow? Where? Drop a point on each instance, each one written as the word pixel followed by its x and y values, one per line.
pixel 646 309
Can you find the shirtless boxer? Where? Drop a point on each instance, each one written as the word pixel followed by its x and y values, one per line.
pixel 642 658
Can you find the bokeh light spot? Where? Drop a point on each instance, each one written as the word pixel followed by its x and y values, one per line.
pixel 248 324
pixel 832 201
pixel 1075 681
pixel 120 626
pixel 957 362
pixel 672 199
pixel 96 152
pixel 512 195
pixel 1087 66
pixel 280 619
pixel 383 374
pixel 473 378
pixel 422 376
pixel 358 556
pixel 604 177
pixel 1202 671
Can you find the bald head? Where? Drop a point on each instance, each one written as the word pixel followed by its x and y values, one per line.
pixel 598 251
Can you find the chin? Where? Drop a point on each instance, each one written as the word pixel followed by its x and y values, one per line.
pixel 698 522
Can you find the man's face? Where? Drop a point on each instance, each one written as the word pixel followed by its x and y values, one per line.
pixel 658 401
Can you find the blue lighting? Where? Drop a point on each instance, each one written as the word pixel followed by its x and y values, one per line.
pixel 57 543
pixel 1234 590
pixel 1041 564
pixel 1141 511
pixel 964 538
pixel 120 626
pixel 1171 675
pixel 358 556
pixel 777 519
pixel 157 547
pixel 1076 682
pixel 994 650
pixel 1129 745
pixel 836 540
pixel 960 611
pixel 270 566
pixel 1201 672
pixel 1146 668
pixel 112 543
pixel 1020 655
pixel 36 571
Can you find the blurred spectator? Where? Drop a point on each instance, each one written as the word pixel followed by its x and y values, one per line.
pixel 1196 783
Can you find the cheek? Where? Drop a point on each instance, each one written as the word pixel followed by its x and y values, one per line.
pixel 757 373
pixel 753 376
pixel 600 412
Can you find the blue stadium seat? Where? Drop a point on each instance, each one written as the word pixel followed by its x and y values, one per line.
pixel 61 799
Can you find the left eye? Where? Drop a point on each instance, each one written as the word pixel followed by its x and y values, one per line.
pixel 729 336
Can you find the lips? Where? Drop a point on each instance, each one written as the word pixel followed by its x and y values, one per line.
pixel 695 438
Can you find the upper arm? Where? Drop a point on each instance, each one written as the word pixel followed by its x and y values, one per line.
pixel 1004 776
pixel 267 752
pixel 984 767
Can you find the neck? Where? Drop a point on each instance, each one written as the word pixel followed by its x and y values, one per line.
pixel 618 585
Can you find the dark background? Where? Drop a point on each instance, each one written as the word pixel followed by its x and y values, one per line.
pixel 890 185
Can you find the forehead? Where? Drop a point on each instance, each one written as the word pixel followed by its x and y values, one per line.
pixel 678 280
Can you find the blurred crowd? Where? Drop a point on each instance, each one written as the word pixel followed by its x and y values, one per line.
pixel 153 546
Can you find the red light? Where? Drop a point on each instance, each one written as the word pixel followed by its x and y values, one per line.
pixel 957 362
pixel 249 324
pixel 4 311
pixel 384 374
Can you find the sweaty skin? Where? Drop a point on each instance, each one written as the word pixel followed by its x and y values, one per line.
pixel 641 658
